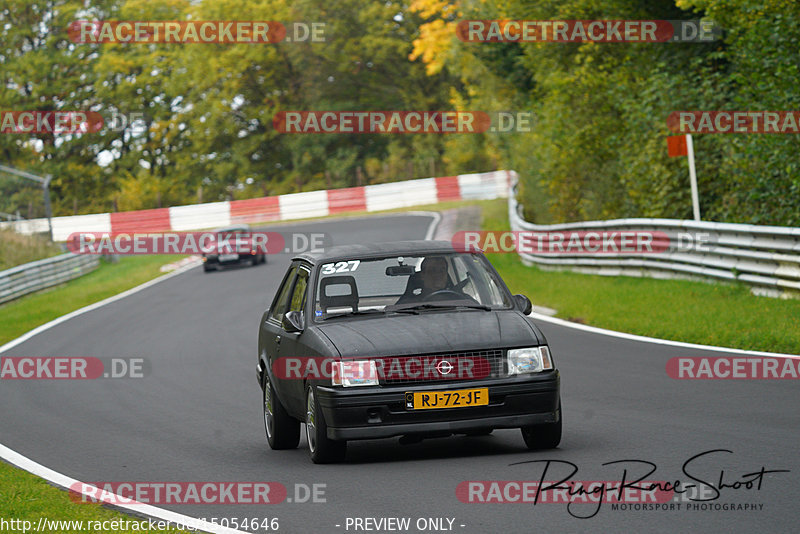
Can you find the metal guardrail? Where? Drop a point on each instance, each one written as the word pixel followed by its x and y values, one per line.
pixel 11 216
pixel 765 257
pixel 41 274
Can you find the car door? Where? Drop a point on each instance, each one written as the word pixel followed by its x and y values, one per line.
pixel 291 343
pixel 272 329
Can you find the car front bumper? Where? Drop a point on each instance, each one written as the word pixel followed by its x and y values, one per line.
pixel 380 412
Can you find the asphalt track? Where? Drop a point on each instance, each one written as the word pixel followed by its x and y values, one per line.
pixel 198 417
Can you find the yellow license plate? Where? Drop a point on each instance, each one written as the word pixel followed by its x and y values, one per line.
pixel 458 398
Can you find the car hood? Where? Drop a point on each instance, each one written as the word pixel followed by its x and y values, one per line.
pixel 431 332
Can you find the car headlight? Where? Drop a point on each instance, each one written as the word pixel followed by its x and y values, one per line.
pixel 351 373
pixel 529 360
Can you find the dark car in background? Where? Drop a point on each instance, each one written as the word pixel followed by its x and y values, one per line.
pixel 410 339
pixel 247 252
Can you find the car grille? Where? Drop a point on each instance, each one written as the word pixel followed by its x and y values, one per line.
pixel 428 368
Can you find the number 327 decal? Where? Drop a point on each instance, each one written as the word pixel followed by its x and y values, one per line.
pixel 340 267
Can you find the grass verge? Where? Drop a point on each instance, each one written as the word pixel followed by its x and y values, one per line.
pixel 26 497
pixel 722 314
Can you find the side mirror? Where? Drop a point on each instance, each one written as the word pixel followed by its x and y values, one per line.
pixel 293 321
pixel 523 304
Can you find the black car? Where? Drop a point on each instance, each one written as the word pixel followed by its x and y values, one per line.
pixel 411 339
pixel 245 251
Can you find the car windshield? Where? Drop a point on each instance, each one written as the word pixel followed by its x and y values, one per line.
pixel 407 284
pixel 232 232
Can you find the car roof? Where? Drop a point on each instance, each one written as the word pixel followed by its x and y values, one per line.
pixel 234 227
pixel 376 250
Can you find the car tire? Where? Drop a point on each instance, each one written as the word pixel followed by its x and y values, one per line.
pixel 545 436
pixel 264 259
pixel 208 268
pixel 254 260
pixel 282 430
pixel 321 449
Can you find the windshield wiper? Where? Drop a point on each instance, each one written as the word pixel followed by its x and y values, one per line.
pixel 347 314
pixel 412 308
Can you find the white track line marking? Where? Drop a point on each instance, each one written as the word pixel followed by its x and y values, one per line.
pixel 434 223
pixel 66 482
pixel 657 341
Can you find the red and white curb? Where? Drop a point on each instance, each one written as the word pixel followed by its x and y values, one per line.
pixel 379 197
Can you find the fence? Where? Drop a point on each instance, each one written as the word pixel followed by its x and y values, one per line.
pixel 30 277
pixel 765 257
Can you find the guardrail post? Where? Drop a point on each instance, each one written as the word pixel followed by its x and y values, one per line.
pixel 693 177
pixel 47 208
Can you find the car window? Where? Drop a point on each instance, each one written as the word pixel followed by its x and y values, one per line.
pixel 462 273
pixel 482 285
pixel 362 285
pixel 282 300
pixel 299 293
